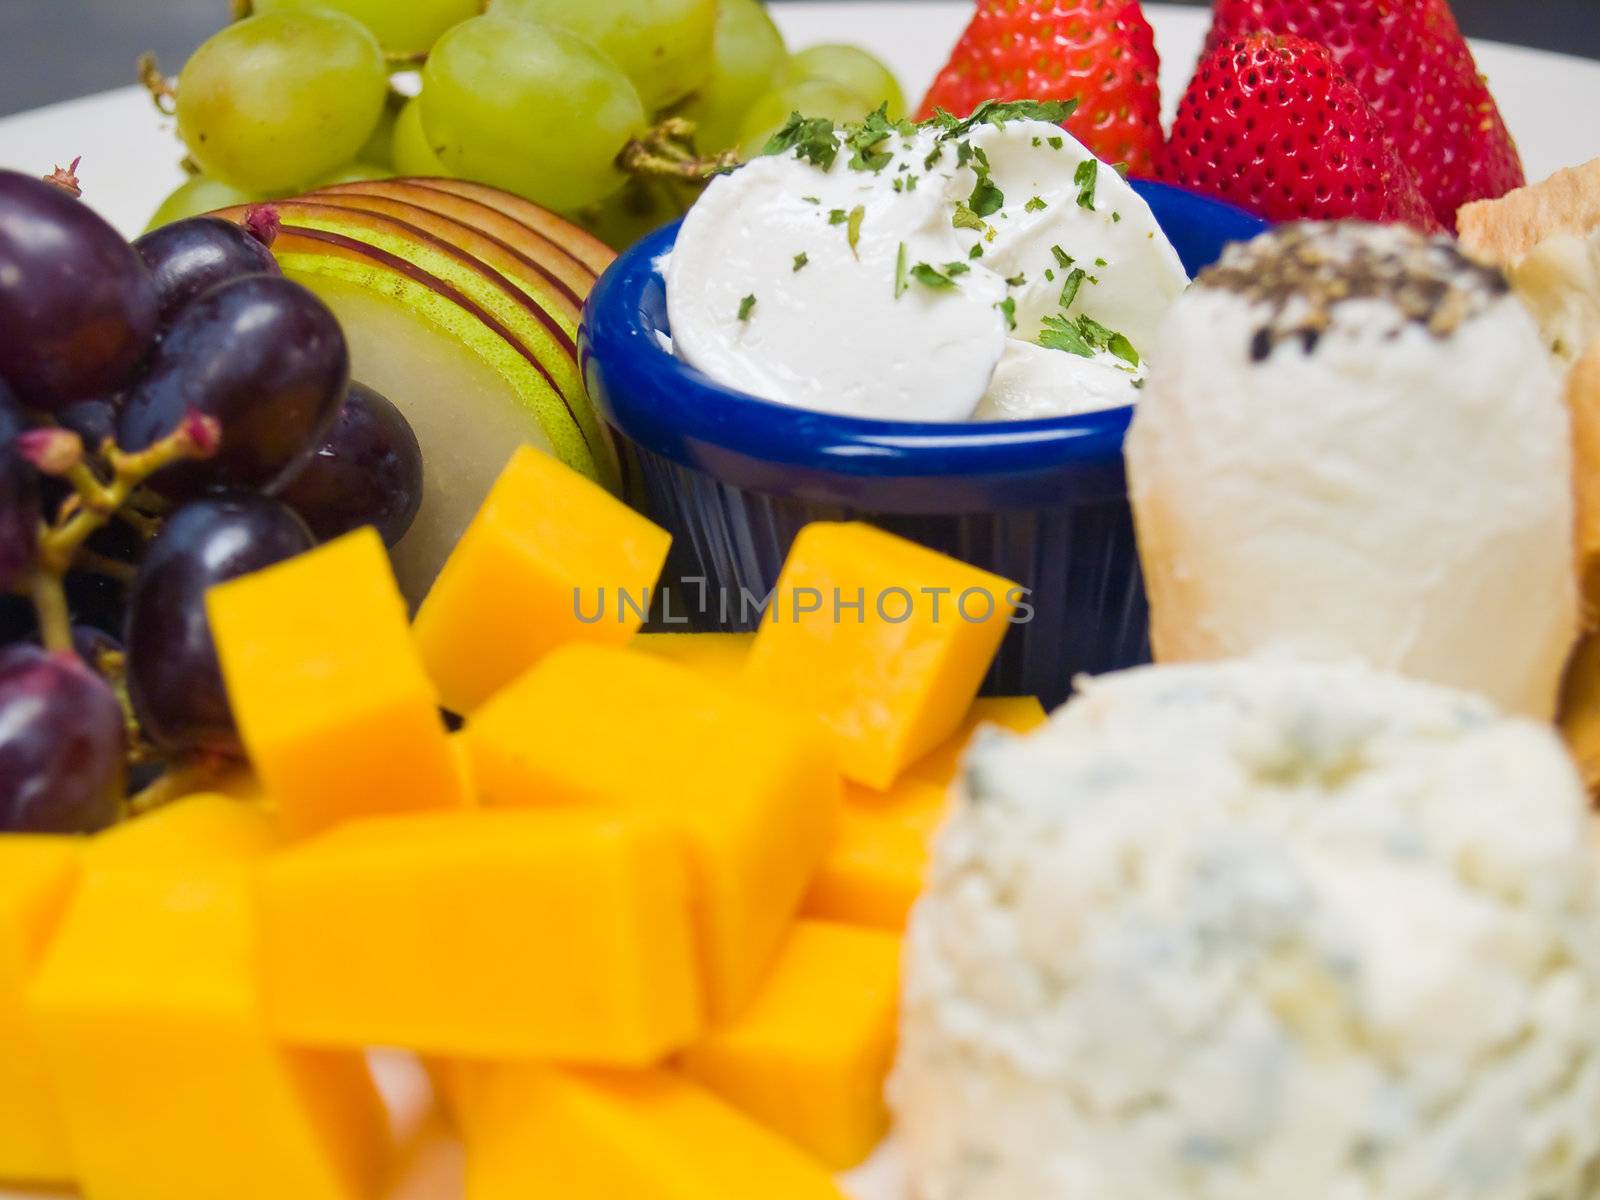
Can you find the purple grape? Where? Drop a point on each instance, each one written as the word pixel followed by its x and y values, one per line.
pixel 92 420
pixel 173 673
pixel 265 358
pixel 62 743
pixel 189 257
pixel 77 306
pixel 367 471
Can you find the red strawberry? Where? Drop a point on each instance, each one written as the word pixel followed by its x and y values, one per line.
pixel 1101 53
pixel 1270 123
pixel 1409 60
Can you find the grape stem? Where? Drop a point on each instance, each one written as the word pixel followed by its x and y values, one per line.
pixel 112 666
pixel 93 503
pixel 667 151
pixel 163 90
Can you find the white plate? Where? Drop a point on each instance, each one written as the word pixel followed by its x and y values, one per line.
pixel 131 158
pixel 130 163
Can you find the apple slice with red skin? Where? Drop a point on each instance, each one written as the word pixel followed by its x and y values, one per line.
pixel 465 316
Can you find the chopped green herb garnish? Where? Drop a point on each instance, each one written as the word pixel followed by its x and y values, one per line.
pixel 986 198
pixel 1049 275
pixel 865 141
pixel 1086 176
pixel 1061 334
pixel 837 216
pixel 930 276
pixel 811 138
pixel 976 251
pixel 1063 259
pixel 1037 204
pixel 1056 143
pixel 965 218
pixel 998 112
pixel 1069 290
pixel 812 199
pixel 746 307
pixel 1120 168
pixel 801 260
pixel 900 284
pixel 934 156
pixel 1120 346
pixel 1008 310
pixel 1116 218
pixel 1037 142
pixel 1100 262
pixel 953 269
pixel 1017 280
pixel 911 183
pixel 853 226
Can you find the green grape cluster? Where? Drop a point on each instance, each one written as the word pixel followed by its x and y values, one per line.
pixel 539 97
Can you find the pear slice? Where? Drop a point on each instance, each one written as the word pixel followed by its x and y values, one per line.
pixel 469 328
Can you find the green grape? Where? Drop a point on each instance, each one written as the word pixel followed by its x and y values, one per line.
pixel 850 67
pixel 664 46
pixel 277 100
pixel 411 155
pixel 199 195
pixel 623 218
pixel 380 145
pixel 402 26
pixel 747 55
pixel 532 109
pixel 356 172
pixel 809 98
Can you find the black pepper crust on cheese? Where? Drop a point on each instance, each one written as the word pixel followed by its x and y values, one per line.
pixel 1302 274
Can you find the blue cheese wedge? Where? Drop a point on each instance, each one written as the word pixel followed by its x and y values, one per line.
pixel 1258 930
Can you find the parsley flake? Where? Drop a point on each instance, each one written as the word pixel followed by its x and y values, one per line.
pixel 801 260
pixel 965 218
pixel 853 227
pixel 837 216
pixel 1008 310
pixel 1116 218
pixel 1018 280
pixel 1061 334
pixel 746 307
pixel 811 138
pixel 900 283
pixel 1084 336
pixel 865 141
pixel 1037 204
pixel 986 199
pixel 1086 176
pixel 1100 262
pixel 1049 275
pixel 976 251
pixel 998 112
pixel 1069 290
pixel 930 276
pixel 1056 143
pixel 1063 259
pixel 812 199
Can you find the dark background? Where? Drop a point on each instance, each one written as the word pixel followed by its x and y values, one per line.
pixel 56 49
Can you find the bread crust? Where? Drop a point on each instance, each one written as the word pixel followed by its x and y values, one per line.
pixel 1503 231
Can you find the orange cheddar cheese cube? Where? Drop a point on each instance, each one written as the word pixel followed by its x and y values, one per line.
pixel 550 558
pixel 648 1135
pixel 37 876
pixel 206 828
pixel 1019 714
pixel 810 1057
pixel 883 641
pixel 877 864
pixel 503 935
pixel 333 704
pixel 749 789
pixel 147 1009
pixel 720 657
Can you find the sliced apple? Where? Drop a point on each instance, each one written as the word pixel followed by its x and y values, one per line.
pixel 466 317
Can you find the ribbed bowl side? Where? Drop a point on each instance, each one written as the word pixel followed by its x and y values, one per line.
pixel 1079 563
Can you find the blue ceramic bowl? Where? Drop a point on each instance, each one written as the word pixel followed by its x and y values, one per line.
pixel 735 478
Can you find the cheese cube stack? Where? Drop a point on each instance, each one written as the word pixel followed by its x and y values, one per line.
pixel 647 1135
pixel 147 1010
pixel 534 934
pixel 882 641
pixel 332 701
pixel 551 558
pixel 750 791
pixel 719 657
pixel 37 877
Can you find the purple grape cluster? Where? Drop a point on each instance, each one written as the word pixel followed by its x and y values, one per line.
pixel 113 355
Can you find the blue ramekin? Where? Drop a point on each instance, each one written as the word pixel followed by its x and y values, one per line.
pixel 735 478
